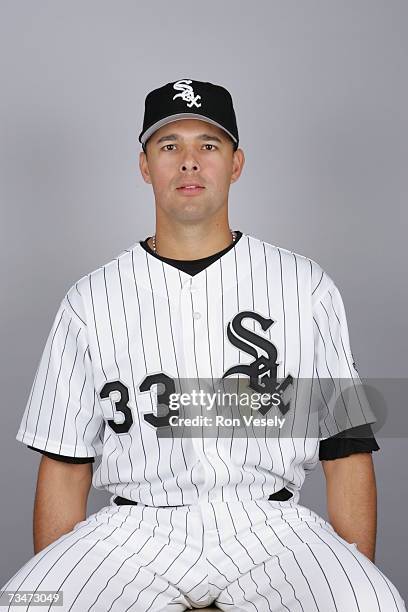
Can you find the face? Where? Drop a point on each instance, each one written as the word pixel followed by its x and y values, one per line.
pixel 191 153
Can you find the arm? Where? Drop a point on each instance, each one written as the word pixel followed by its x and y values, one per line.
pixel 60 500
pixel 352 500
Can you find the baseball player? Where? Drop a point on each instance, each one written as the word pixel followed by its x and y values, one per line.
pixel 206 514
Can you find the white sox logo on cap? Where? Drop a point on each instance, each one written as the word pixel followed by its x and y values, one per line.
pixel 187 92
pixel 189 99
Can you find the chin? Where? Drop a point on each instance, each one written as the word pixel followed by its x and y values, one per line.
pixel 189 208
pixel 189 212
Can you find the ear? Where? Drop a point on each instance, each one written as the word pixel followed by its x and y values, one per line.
pixel 144 167
pixel 238 162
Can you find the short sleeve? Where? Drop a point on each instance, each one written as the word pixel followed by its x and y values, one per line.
pixel 338 390
pixel 62 414
pixel 355 440
pixel 63 458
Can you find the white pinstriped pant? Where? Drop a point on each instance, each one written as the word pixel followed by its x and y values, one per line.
pixel 255 555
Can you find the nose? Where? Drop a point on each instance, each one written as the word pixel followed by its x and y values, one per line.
pixel 189 163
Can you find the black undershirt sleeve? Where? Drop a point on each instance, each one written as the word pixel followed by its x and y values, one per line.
pixel 355 440
pixel 64 457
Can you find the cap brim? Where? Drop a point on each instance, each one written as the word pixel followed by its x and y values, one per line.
pixel 156 126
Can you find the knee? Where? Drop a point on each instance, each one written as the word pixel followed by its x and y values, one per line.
pixel 378 592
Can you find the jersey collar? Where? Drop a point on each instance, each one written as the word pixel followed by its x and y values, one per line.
pixel 163 278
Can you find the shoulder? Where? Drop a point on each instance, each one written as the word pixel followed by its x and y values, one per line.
pixel 79 296
pixel 292 262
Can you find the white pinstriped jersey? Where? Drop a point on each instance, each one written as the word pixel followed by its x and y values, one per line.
pixel 136 319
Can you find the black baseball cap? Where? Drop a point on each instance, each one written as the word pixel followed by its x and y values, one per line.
pixel 188 99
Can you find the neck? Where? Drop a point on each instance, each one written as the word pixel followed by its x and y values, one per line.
pixel 192 242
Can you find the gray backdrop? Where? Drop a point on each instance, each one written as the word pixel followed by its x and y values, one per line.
pixel 320 93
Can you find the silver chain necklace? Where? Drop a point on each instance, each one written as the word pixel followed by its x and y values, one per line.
pixel 233 234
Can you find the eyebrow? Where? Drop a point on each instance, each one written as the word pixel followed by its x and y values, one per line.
pixel 200 137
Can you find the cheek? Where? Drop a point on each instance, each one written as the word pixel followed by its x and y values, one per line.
pixel 162 181
pixel 220 176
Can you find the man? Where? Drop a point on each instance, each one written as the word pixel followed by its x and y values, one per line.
pixel 208 515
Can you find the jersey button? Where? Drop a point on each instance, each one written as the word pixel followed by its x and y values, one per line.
pixel 196 315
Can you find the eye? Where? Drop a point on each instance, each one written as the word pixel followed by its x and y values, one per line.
pixel 210 145
pixel 168 145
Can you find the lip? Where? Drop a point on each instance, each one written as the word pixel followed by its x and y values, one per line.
pixel 190 191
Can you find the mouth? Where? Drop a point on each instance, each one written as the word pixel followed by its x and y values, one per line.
pixel 190 189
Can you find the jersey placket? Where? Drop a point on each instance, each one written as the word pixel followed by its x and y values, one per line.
pixel 198 369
